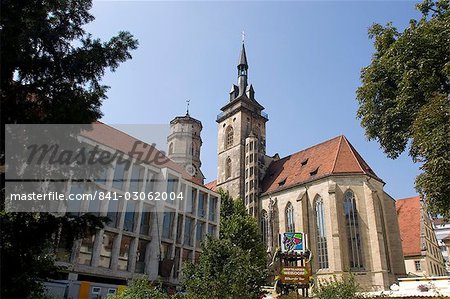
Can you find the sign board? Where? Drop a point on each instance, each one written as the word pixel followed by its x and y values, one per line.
pixel 293 242
pixel 294 275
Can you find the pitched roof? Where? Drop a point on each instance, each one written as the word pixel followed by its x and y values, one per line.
pixel 335 156
pixel 212 185
pixel 408 214
pixel 118 140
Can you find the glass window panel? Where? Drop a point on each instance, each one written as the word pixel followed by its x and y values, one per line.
pixel 145 220
pixel 201 204
pixel 321 238
pixel 188 230
pixel 106 249
pixel 168 224
pixel 353 231
pixel 137 176
pixel 124 253
pixel 86 248
pixel 113 213
pixel 212 209
pixel 119 175
pixel 140 256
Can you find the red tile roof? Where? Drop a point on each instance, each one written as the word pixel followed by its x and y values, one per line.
pixel 408 214
pixel 118 140
pixel 335 156
pixel 212 185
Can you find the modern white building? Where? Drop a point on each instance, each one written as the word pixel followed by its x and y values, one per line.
pixel 145 237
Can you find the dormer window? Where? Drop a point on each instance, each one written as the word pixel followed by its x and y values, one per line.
pixel 282 182
pixel 304 162
pixel 314 171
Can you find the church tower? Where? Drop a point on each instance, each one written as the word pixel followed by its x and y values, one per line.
pixel 185 142
pixel 242 141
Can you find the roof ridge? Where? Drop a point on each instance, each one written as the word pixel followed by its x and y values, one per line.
pixel 337 153
pixel 354 155
pixel 303 150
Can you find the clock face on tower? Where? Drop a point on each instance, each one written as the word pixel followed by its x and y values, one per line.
pixel 191 169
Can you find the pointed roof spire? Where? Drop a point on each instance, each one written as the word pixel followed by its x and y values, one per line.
pixel 243 57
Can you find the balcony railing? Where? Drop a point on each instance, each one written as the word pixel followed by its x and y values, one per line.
pixel 263 114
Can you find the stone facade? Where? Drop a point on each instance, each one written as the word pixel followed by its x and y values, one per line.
pixel 327 171
pixel 382 256
pixel 184 144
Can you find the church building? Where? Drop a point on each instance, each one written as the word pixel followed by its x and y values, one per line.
pixel 327 191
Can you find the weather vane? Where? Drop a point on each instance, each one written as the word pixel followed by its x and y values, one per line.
pixel 187 109
pixel 243 36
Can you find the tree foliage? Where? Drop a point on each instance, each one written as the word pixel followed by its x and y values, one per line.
pixel 141 288
pixel 233 266
pixel 51 72
pixel 334 288
pixel 404 97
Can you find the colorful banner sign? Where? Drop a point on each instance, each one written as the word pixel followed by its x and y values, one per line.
pixel 293 242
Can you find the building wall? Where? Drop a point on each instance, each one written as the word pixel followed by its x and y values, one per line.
pixel 135 247
pixel 184 143
pixel 430 247
pixel 442 230
pixel 243 122
pixel 382 262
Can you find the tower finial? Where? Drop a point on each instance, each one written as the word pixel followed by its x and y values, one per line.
pixel 187 108
pixel 243 36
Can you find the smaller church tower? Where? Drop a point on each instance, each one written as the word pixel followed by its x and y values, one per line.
pixel 184 143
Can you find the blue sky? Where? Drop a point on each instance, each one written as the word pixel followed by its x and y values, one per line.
pixel 304 60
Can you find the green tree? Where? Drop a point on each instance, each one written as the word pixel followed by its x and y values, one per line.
pixel 404 98
pixel 233 266
pixel 344 288
pixel 140 288
pixel 51 72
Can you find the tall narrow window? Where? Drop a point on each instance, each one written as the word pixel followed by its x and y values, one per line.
pixel 171 149
pixel 321 236
pixel 228 168
pixel 264 227
pixel 353 233
pixel 229 137
pixel 290 225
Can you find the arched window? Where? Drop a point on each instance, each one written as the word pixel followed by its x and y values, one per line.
pixel 229 137
pixel 290 225
pixel 228 168
pixel 264 226
pixel 171 149
pixel 321 236
pixel 353 233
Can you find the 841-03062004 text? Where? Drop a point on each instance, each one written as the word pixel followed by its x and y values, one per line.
pixel 97 195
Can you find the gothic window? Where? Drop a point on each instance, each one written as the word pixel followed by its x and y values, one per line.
pixel 321 236
pixel 353 232
pixel 171 149
pixel 264 227
pixel 228 168
pixel 289 213
pixel 229 137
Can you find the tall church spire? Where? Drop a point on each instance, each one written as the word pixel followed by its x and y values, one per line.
pixel 242 71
